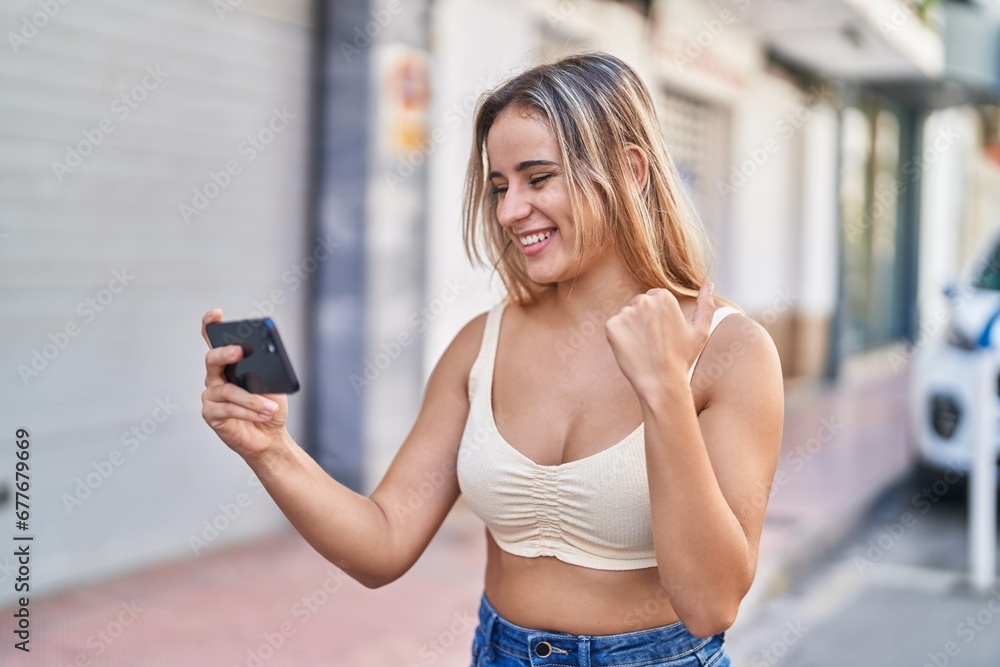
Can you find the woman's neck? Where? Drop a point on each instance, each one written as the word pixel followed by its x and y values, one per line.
pixel 603 290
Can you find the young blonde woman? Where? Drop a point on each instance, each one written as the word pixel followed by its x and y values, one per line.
pixel 622 483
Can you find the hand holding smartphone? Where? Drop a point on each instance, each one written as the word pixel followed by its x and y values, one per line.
pixel 265 367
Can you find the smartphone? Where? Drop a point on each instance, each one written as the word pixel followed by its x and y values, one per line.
pixel 264 368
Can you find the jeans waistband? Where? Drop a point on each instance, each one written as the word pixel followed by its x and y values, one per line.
pixel 560 648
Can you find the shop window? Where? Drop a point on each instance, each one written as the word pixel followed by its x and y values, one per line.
pixel 870 193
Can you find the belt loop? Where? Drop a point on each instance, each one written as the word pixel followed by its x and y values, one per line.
pixel 583 650
pixel 491 618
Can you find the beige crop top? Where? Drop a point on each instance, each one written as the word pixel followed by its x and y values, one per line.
pixel 593 512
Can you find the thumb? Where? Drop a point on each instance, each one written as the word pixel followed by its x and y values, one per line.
pixel 705 307
pixel 208 318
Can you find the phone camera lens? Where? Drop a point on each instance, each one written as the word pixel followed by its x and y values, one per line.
pixel 269 339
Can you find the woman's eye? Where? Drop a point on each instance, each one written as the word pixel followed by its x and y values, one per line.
pixel 533 182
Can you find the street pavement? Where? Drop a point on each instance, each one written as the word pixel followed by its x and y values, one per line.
pixel 276 603
pixel 896 593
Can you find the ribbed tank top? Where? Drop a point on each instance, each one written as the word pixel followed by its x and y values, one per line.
pixel 593 512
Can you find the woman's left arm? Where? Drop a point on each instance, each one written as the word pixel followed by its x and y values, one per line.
pixel 709 473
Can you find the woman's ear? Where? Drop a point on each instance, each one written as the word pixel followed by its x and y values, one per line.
pixel 639 163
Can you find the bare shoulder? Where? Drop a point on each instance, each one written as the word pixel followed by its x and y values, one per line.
pixel 737 330
pixel 741 354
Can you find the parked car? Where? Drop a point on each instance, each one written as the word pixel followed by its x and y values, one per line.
pixel 944 406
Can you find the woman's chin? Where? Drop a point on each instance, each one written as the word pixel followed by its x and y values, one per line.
pixel 544 277
pixel 551 269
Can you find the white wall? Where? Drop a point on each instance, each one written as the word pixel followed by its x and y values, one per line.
pixel 816 255
pixel 945 200
pixel 764 191
pixel 220 80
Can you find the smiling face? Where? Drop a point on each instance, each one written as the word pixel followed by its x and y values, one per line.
pixel 532 196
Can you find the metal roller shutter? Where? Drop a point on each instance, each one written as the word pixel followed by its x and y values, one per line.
pixel 153 164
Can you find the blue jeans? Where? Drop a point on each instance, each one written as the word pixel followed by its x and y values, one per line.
pixel 500 643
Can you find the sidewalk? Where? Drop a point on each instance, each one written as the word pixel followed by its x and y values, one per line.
pixel 842 446
pixel 896 592
pixel 277 603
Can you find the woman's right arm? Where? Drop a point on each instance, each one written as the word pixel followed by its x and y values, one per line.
pixel 373 539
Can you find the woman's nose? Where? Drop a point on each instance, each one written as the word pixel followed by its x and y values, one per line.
pixel 511 207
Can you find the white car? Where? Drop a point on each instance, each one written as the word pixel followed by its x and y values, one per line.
pixel 944 405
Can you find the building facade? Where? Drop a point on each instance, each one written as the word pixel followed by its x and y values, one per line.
pixel 305 161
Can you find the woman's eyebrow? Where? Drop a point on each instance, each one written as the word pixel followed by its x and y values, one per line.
pixel 527 164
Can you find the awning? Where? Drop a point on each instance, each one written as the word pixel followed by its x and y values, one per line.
pixel 856 40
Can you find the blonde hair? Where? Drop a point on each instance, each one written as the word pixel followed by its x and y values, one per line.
pixel 595 105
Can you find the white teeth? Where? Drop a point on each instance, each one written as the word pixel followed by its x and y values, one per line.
pixel 535 238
